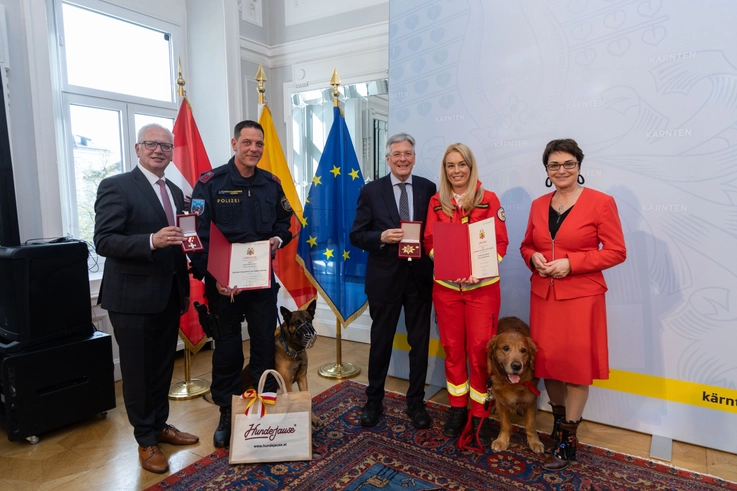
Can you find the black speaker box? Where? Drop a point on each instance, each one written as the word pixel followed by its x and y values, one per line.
pixel 44 294
pixel 50 387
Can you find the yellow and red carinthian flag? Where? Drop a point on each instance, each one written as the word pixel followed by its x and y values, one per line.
pixel 290 273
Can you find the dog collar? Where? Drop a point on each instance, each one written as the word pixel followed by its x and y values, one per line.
pixel 532 388
pixel 291 352
pixel 527 384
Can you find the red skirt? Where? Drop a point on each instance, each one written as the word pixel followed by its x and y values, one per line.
pixel 571 338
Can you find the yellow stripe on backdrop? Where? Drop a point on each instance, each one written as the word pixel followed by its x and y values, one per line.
pixel 401 343
pixel 668 389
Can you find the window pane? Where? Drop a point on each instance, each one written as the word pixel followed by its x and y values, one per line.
pixel 114 55
pixel 97 155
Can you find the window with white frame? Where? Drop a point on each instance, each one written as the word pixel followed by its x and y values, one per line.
pixel 116 74
pixel 365 106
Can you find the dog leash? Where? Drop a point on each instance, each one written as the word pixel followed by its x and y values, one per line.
pixel 290 352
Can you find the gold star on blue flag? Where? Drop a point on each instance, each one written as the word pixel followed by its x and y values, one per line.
pixel 329 212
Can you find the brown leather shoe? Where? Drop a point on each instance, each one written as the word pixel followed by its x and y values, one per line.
pixel 172 435
pixel 152 459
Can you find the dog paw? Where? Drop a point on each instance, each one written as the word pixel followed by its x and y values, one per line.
pixel 536 446
pixel 316 424
pixel 499 445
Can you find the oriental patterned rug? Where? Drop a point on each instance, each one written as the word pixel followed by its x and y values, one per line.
pixel 395 456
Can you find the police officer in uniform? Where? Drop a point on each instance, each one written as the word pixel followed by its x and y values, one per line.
pixel 247 204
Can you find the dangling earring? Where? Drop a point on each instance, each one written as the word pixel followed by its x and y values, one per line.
pixel 580 179
pixel 548 182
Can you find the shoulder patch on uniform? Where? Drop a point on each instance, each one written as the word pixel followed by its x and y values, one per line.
pixel 206 176
pixel 500 214
pixel 437 208
pixel 276 179
pixel 285 204
pixel 197 206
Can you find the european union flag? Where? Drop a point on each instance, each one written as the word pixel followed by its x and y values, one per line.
pixel 334 266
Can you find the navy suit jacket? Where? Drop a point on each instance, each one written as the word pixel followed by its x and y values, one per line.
pixel 136 280
pixel 387 274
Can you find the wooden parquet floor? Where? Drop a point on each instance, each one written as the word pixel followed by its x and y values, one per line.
pixel 101 454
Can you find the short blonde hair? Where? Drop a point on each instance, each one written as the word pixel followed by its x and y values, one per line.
pixel 469 200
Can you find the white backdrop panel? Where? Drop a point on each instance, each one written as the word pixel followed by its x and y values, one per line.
pixel 649 90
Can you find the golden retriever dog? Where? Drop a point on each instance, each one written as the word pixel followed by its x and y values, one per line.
pixel 511 365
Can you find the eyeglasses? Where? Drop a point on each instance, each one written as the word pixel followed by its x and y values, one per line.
pixel 571 164
pixel 149 145
pixel 398 155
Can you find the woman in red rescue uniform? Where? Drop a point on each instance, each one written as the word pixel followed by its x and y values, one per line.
pixel 573 234
pixel 467 309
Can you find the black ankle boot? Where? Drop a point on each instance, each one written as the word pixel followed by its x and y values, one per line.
pixel 221 438
pixel 457 417
pixel 565 450
pixel 559 416
pixel 484 434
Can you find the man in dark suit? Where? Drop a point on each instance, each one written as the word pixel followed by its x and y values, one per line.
pixel 145 287
pixel 393 282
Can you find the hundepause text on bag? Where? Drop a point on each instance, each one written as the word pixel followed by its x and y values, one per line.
pixel 256 432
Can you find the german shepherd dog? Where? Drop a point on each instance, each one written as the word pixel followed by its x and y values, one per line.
pixel 292 339
pixel 511 365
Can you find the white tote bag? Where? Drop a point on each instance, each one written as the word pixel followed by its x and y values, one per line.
pixel 271 428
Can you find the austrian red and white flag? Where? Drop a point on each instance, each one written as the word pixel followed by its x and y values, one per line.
pixel 190 159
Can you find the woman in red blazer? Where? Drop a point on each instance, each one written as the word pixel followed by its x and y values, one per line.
pixel 573 234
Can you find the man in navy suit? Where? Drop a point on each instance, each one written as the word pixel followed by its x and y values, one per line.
pixel 393 282
pixel 145 287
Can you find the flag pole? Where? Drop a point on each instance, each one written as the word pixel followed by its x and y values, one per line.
pixel 338 369
pixel 188 388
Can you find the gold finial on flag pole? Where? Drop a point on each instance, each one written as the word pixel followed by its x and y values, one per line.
pixel 261 78
pixel 335 82
pixel 180 81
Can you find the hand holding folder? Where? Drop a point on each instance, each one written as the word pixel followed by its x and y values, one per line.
pixel 464 250
pixel 247 265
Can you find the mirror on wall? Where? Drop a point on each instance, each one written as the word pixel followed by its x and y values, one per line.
pixel 365 106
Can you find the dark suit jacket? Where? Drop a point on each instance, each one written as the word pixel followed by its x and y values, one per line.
pixel 386 274
pixel 136 279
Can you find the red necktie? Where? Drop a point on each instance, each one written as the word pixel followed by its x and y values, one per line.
pixel 167 203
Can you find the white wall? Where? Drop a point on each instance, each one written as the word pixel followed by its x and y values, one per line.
pixel 211 77
pixel 21 122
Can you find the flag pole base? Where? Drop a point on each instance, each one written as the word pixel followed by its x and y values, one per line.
pixel 338 370
pixel 184 390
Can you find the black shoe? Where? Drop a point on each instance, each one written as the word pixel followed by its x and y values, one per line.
pixel 457 417
pixel 418 415
pixel 221 438
pixel 371 413
pixel 485 431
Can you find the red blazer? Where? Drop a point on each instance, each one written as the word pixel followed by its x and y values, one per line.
pixel 592 222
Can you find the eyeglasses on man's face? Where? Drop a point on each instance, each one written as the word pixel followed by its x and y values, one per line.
pixel 399 155
pixel 151 145
pixel 571 164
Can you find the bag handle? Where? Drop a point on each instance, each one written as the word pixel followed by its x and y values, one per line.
pixel 255 397
pixel 277 376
